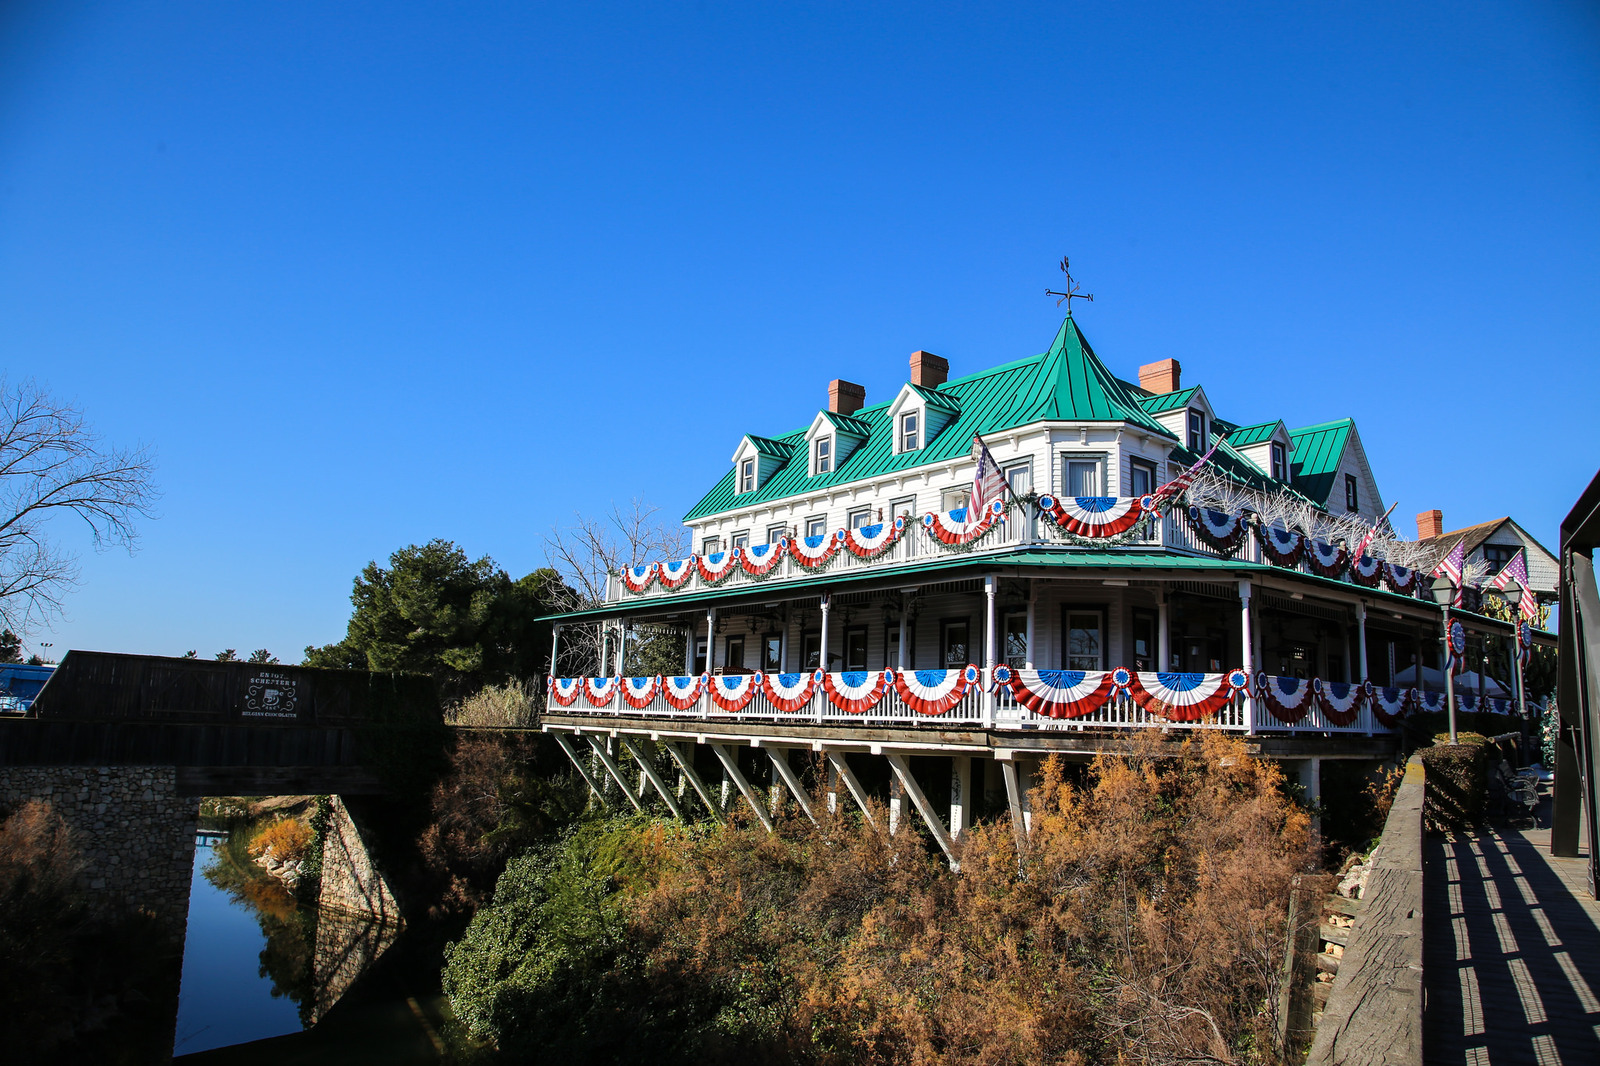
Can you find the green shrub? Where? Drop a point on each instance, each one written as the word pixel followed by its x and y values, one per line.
pixel 1457 782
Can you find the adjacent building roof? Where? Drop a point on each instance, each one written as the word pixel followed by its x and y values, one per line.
pixel 1169 401
pixel 1244 436
pixel 1476 535
pixel 1068 383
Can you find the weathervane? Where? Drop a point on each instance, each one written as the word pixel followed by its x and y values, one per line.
pixel 1072 292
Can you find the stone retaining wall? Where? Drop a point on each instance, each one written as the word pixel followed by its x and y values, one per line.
pixel 135 833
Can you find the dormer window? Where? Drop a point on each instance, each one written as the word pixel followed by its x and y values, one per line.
pixel 1352 498
pixel 1197 431
pixel 747 476
pixel 1280 462
pixel 824 454
pixel 910 432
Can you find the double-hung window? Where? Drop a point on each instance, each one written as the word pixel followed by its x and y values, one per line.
pixel 1141 477
pixel 1352 497
pixel 954 499
pixel 910 431
pixel 1081 477
pixel 816 527
pixel 1197 431
pixel 710 546
pixel 861 516
pixel 1280 462
pixel 1084 641
pixel 775 533
pixel 741 539
pixel 747 476
pixel 824 454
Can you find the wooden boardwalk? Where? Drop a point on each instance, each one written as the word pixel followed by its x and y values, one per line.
pixel 1511 955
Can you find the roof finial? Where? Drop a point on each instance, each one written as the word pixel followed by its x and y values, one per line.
pixel 1072 292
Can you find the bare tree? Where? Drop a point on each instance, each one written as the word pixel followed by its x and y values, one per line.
pixel 592 549
pixel 53 464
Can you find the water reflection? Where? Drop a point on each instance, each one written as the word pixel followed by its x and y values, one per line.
pixel 246 951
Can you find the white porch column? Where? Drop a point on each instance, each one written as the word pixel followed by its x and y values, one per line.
pixel 896 803
pixel 960 794
pixel 1033 596
pixel 1311 781
pixel 711 664
pixel 905 652
pixel 1361 637
pixel 1163 634
pixel 822 655
pixel 990 586
pixel 1249 646
pixel 622 646
pixel 555 647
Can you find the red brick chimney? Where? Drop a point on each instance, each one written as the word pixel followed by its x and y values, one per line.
pixel 1430 524
pixel 928 370
pixel 846 397
pixel 1160 377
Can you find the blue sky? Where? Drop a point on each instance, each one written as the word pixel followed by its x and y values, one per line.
pixel 367 274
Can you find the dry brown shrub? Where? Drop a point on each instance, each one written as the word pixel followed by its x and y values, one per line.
pixel 285 840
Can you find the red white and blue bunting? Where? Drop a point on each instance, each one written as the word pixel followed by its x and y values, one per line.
pixel 1340 701
pixel 675 574
pixel 1219 530
pixel 638 578
pixel 1324 559
pixel 869 542
pixel 1389 705
pixel 639 692
pixel 1061 693
pixel 814 552
pixel 1524 642
pixel 682 692
pixel 1429 702
pixel 733 692
pixel 1094 517
pixel 1287 698
pixel 1366 571
pixel 857 691
pixel 933 692
pixel 958 528
pixel 1281 546
pixel 759 560
pixel 1456 647
pixel 1401 579
pixel 599 691
pixel 1181 697
pixel 789 692
pixel 716 566
pixel 566 690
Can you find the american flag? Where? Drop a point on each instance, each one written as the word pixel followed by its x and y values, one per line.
pixel 988 482
pixel 1451 565
pixel 1177 485
pixel 1366 541
pixel 1517 570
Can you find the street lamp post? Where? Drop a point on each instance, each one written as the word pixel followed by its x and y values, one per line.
pixel 1513 594
pixel 1444 594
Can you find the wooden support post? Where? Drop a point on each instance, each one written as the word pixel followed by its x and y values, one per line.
pixel 960 794
pixel 583 771
pixel 615 771
pixel 686 767
pixel 731 766
pixel 991 585
pixel 1014 794
pixel 555 647
pixel 655 778
pixel 902 770
pixel 897 804
pixel 780 763
pixel 822 654
pixel 1163 633
pixel 1249 650
pixel 841 766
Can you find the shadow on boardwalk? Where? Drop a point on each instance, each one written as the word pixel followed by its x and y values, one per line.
pixel 1511 956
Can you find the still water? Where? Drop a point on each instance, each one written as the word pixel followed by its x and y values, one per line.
pixel 237 985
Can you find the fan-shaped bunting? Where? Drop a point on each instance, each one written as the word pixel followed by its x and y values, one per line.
pixel 789 692
pixel 1095 517
pixel 856 691
pixel 933 692
pixel 733 692
pixel 638 692
pixel 1062 693
pixel 682 692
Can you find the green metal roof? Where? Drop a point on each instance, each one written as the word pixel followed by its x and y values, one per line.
pixel 1168 401
pixel 847 424
pixel 1231 463
pixel 935 398
pixel 778 449
pixel 1244 436
pixel 1315 459
pixel 1067 383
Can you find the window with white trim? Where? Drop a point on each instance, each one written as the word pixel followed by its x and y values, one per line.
pixel 1280 462
pixel 910 431
pixel 861 516
pixel 1141 477
pixel 710 546
pixel 954 499
pixel 824 451
pixel 905 505
pixel 740 539
pixel 747 476
pixel 1082 475
pixel 776 533
pixel 817 526
pixel 1197 431
pixel 1085 642
pixel 1352 496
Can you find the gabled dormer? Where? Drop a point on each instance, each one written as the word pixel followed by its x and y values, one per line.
pixel 1186 413
pixel 1267 445
pixel 917 415
pixel 757 459
pixel 831 439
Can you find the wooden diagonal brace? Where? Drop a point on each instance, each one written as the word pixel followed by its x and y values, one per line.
pixel 583 771
pixel 780 763
pixel 616 772
pixel 731 765
pixel 686 765
pixel 842 767
pixel 655 778
pixel 902 770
